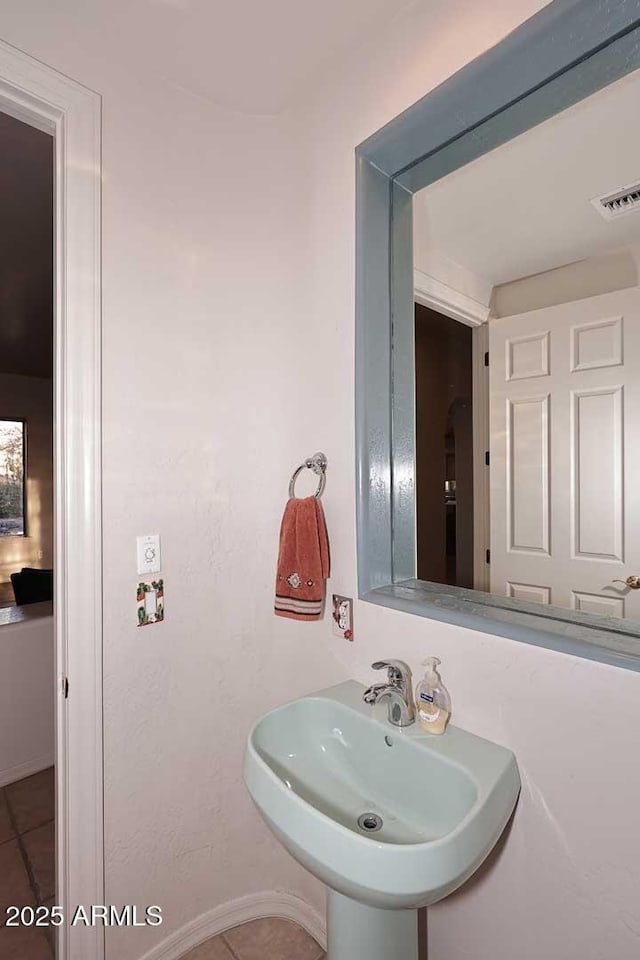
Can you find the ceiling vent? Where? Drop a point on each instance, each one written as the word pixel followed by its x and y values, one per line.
pixel 614 205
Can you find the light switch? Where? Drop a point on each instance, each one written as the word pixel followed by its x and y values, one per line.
pixel 148 551
pixel 151 603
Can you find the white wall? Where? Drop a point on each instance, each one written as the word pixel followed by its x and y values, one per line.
pixel 228 356
pixel 427 260
pixel 26 698
pixel 565 884
pixel 206 413
pixel 573 281
pixel 31 399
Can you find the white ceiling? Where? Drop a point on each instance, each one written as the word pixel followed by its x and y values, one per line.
pixel 249 56
pixel 524 207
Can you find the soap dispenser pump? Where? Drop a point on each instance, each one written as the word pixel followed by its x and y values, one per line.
pixel 433 703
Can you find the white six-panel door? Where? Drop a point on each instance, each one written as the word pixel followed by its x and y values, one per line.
pixel 565 486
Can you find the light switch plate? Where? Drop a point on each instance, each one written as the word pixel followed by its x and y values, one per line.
pixel 342 617
pixel 148 553
pixel 150 602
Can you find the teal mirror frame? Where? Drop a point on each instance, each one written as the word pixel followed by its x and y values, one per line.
pixel 567 51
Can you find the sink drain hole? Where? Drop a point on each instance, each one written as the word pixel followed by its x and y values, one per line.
pixel 369 822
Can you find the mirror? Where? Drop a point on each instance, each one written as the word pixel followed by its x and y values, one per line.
pixel 527 364
pixel 498 342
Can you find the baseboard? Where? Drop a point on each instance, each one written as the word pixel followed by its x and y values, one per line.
pixel 255 906
pixel 21 770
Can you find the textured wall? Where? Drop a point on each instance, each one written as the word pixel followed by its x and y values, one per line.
pixel 228 356
pixel 564 886
pixel 208 406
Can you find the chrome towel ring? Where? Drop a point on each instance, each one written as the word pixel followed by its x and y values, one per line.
pixel 317 463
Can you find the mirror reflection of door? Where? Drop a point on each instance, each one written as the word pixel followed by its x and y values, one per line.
pixel 444 449
pixel 529 489
pixel 560 448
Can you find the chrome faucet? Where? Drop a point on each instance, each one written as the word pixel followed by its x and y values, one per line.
pixel 398 689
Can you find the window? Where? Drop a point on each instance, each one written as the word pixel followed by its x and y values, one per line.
pixel 12 497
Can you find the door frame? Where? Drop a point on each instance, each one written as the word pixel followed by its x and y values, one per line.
pixel 433 293
pixel 44 98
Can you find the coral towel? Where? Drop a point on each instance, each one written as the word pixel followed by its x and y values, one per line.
pixel 303 560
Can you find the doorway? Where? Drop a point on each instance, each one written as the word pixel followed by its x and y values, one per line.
pixel 27 654
pixel 444 449
pixel 69 114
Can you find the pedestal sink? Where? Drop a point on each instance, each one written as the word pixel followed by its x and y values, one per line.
pixel 391 820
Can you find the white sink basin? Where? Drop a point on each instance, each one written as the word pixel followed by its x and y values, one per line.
pixel 316 765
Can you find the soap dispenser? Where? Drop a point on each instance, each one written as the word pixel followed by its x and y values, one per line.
pixel 433 703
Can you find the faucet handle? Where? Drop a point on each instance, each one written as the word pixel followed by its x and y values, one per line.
pixel 396 669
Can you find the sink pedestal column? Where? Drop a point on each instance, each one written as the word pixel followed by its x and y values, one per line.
pixel 358 932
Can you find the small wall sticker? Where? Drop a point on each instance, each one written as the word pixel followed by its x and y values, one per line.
pixel 150 602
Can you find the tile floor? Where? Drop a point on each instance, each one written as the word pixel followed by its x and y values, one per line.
pixel 27 862
pixel 27 877
pixel 270 939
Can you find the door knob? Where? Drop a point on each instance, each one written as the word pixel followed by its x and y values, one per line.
pixel 632 582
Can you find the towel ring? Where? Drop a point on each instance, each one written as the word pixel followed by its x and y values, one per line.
pixel 317 463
